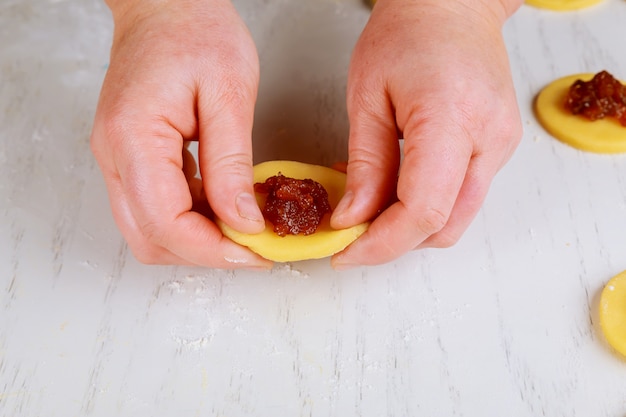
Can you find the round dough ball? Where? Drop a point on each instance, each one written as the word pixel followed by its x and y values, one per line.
pixel 324 242
pixel 602 136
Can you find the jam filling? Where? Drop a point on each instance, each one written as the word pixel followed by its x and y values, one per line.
pixel 602 96
pixel 293 206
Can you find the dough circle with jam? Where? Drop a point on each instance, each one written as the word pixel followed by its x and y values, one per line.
pixel 613 312
pixel 326 241
pixel 562 4
pixel 601 136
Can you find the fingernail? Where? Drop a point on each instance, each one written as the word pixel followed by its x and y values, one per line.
pixel 248 208
pixel 344 204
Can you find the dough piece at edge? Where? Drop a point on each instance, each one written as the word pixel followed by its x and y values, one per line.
pixel 323 243
pixel 562 5
pixel 613 312
pixel 601 136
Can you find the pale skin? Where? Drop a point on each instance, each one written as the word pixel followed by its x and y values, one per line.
pixel 434 73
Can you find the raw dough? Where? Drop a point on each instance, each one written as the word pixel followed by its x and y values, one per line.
pixel 613 312
pixel 602 136
pixel 324 242
pixel 562 4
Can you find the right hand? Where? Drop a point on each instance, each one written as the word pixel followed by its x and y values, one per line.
pixel 179 70
pixel 435 73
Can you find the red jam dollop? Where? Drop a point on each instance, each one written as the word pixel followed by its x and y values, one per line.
pixel 293 206
pixel 602 96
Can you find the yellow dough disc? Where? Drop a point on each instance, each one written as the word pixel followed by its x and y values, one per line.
pixel 613 312
pixel 562 4
pixel 602 136
pixel 324 242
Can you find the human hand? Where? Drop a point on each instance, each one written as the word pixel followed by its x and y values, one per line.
pixel 179 70
pixel 435 73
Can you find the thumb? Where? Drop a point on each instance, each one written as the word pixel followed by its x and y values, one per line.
pixel 225 158
pixel 373 160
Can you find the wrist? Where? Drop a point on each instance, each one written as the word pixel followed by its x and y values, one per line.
pixel 122 8
pixel 128 12
pixel 158 18
pixel 494 11
pixel 511 6
pixel 501 10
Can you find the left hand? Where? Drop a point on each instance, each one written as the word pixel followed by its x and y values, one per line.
pixel 437 74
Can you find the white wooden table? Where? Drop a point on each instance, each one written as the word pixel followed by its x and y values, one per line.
pixel 502 324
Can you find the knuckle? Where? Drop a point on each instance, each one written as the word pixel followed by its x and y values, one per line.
pixel 154 233
pixel 145 250
pixel 513 130
pixel 443 240
pixel 367 104
pixel 365 158
pixel 234 172
pixel 234 79
pixel 361 98
pixel 149 247
pixel 111 126
pixel 238 163
pixel 507 125
pixel 431 221
pixel 146 256
pixel 235 91
pixel 95 144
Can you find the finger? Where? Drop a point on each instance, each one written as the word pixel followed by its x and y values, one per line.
pixel 144 250
pixel 486 161
pixel 373 159
pixel 475 186
pixel 202 243
pixel 430 179
pixel 225 154
pixel 160 202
